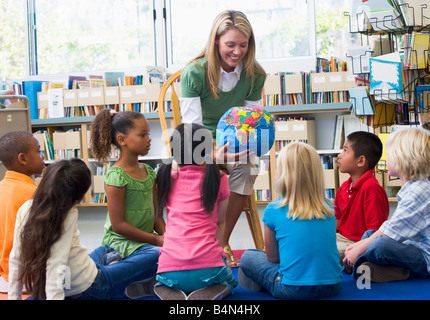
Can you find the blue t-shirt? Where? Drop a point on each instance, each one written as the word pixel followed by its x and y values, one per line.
pixel 307 248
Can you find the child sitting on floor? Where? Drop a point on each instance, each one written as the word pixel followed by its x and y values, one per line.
pixel 361 204
pixel 47 257
pixel 191 265
pixel 20 154
pixel 301 260
pixel 401 246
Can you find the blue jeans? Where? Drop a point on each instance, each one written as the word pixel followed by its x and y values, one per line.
pixel 112 279
pixel 194 279
pixel 255 266
pixel 385 251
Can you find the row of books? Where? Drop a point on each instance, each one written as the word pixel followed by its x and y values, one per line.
pixel 307 87
pixel 99 196
pixel 61 145
pixel 262 190
pixel 416 55
pixel 328 162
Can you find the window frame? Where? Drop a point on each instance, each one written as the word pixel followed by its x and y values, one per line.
pixel 163 44
pixel 293 64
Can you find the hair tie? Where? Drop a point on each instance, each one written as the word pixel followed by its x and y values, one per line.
pixel 112 112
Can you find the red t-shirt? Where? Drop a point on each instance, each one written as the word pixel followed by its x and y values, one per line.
pixel 360 207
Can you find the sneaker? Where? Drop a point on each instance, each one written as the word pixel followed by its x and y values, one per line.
pixel 385 273
pixel 140 289
pixel 214 292
pixel 168 293
pixel 247 283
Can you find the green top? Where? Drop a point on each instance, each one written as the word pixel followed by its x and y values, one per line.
pixel 193 84
pixel 139 208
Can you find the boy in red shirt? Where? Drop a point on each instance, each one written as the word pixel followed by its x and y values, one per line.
pixel 20 154
pixel 360 204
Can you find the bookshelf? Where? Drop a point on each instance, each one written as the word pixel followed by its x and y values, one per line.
pixel 393 59
pixel 315 125
pixel 323 113
pixel 77 130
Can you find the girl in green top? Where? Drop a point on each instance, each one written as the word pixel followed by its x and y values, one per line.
pixel 130 227
pixel 224 75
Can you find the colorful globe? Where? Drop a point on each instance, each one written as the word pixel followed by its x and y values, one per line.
pixel 246 128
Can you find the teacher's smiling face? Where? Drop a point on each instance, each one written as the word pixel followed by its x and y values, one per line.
pixel 232 47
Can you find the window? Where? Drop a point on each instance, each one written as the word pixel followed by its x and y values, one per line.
pixel 282 28
pixel 83 35
pixel 332 28
pixel 12 39
pixel 71 36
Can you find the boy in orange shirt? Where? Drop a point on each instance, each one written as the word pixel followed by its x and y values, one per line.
pixel 20 154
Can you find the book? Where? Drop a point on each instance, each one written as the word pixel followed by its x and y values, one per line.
pixel 112 78
pixel 155 74
pixel 423 95
pixel 73 80
pixel 361 101
pixel 384 115
pixel 419 50
pixel 31 88
pixel 338 136
pixel 386 77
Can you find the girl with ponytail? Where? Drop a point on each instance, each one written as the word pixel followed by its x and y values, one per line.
pixel 195 196
pixel 130 228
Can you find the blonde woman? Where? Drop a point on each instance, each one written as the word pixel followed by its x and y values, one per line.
pixel 301 260
pixel 224 75
pixel 400 248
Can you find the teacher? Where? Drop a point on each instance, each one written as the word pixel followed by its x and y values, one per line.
pixel 224 75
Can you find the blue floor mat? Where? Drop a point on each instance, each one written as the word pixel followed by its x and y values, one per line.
pixel 411 289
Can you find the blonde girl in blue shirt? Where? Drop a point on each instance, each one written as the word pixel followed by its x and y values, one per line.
pixel 301 260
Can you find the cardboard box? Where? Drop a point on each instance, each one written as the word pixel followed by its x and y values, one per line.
pixel 70 98
pixel 42 100
pixel 293 83
pixel 391 181
pixel 98 184
pixel 296 130
pixel 84 97
pixel 262 182
pixel 272 85
pixel 111 95
pixel 330 179
pixel 97 96
pixel 66 140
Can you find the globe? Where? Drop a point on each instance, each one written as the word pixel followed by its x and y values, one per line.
pixel 246 128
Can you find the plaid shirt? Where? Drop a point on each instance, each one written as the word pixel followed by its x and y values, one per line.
pixel 410 223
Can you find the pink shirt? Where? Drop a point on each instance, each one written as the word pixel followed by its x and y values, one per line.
pixel 190 237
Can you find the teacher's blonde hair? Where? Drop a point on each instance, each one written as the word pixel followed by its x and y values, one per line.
pixel 225 21
pixel 301 182
pixel 409 150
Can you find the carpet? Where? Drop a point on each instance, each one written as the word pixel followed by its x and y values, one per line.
pixel 411 289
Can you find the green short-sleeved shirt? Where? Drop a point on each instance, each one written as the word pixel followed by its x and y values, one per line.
pixel 139 208
pixel 194 84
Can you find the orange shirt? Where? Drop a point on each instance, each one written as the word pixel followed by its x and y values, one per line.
pixel 15 189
